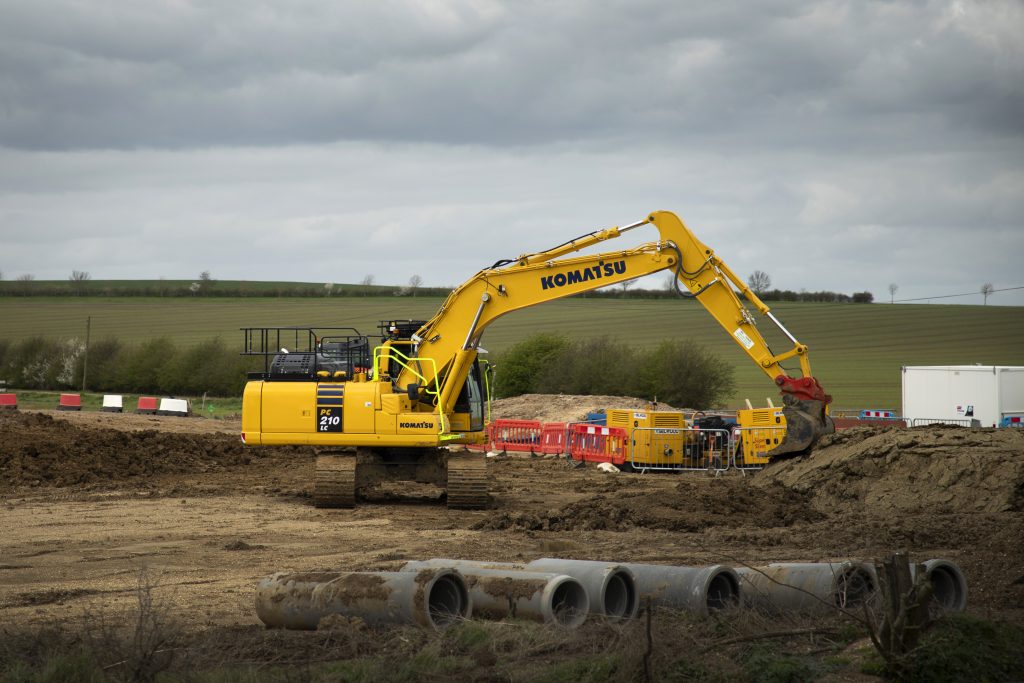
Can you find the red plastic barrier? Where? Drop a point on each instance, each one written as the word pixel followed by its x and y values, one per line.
pixel 8 400
pixel 147 405
pixel 594 443
pixel 516 435
pixel 552 438
pixel 70 402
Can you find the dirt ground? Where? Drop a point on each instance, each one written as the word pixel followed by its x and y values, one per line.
pixel 88 500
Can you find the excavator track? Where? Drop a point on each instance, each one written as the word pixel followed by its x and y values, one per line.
pixel 334 485
pixel 467 482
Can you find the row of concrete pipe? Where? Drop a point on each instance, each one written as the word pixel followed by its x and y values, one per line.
pixel 437 592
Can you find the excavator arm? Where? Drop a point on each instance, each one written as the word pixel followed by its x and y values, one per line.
pixel 451 337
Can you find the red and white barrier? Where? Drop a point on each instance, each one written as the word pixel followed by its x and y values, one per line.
pixel 594 443
pixel 521 436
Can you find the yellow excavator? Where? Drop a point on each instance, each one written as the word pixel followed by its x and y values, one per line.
pixel 392 412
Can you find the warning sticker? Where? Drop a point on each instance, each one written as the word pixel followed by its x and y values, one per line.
pixel 743 338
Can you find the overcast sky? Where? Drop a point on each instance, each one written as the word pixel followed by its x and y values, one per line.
pixel 834 145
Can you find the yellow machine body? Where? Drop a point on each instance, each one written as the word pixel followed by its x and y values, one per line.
pixel 653 438
pixel 353 413
pixel 761 430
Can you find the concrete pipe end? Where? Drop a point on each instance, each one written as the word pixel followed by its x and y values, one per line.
pixel 447 598
pixel 721 589
pixel 619 596
pixel 566 602
pixel 948 584
pixel 855 584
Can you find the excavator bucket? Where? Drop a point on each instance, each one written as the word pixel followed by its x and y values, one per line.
pixel 806 420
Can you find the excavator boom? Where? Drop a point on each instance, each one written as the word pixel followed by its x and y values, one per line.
pixel 455 330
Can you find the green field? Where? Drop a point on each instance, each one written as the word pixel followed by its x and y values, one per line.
pixel 856 350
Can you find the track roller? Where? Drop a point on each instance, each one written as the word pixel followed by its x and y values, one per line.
pixel 334 485
pixel 467 482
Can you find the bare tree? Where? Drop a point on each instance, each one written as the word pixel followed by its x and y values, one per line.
pixel 626 284
pixel 206 281
pixel 414 283
pixel 892 291
pixel 759 281
pixel 987 289
pixel 367 281
pixel 78 279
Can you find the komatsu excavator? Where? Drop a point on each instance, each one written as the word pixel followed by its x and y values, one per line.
pixel 393 411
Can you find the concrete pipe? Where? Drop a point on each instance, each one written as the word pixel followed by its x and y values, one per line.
pixel 811 588
pixel 433 598
pixel 691 589
pixel 498 593
pixel 949 587
pixel 610 586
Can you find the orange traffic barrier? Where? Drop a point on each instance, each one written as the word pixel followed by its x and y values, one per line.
pixel 552 438
pixel 9 401
pixel 594 443
pixel 70 402
pixel 516 435
pixel 147 405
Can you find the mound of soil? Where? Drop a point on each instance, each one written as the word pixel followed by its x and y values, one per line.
pixel 692 505
pixel 935 469
pixel 38 450
pixel 565 408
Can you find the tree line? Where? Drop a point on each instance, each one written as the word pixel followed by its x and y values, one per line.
pixel 158 366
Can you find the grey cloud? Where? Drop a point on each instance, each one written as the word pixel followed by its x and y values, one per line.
pixel 765 74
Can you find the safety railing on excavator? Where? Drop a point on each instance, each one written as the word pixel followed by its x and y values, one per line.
pixel 306 353
pixel 388 354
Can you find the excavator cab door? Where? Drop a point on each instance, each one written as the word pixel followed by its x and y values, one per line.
pixel 471 399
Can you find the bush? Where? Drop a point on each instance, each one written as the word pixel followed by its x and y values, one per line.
pixel 684 373
pixel 207 367
pixel 589 367
pixel 679 372
pixel 41 363
pixel 522 366
pixel 146 368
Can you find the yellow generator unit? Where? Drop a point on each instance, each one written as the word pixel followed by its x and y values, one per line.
pixel 761 430
pixel 655 439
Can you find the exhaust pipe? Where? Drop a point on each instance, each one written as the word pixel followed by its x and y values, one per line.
pixel 433 598
pixel 691 589
pixel 498 593
pixel 810 588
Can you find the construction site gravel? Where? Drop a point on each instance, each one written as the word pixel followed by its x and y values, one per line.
pixel 89 500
